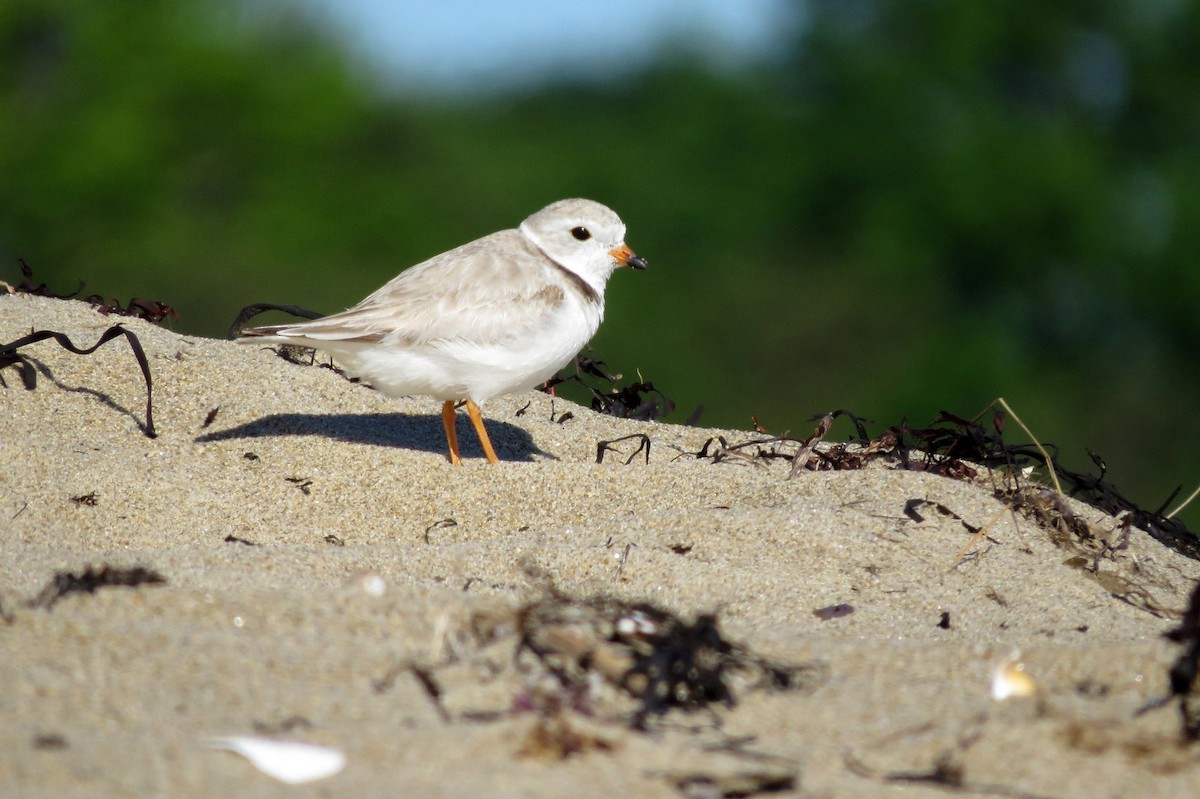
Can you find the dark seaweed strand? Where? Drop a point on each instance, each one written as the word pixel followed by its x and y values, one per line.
pixel 9 356
pixel 251 311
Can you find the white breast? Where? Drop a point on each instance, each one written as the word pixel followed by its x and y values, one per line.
pixel 451 369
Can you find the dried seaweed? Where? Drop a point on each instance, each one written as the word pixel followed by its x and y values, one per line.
pixel 910 510
pixel 250 311
pixel 637 400
pixel 623 560
pixel 954 447
pixel 833 611
pixel 802 454
pixel 678 664
pixel 47 742
pixel 954 441
pixel 441 524
pixel 10 357
pixel 1185 671
pixel 302 483
pixel 29 286
pixel 755 451
pixel 152 311
pixel 90 579
pixel 660 659
pixel 750 782
pixel 809 446
pixel 607 446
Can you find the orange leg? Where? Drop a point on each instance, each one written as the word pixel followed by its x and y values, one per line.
pixel 448 418
pixel 477 420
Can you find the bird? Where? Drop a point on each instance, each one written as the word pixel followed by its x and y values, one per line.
pixel 495 316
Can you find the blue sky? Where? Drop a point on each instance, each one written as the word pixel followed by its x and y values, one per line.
pixel 465 45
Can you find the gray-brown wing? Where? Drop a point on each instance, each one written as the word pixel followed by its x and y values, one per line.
pixel 481 291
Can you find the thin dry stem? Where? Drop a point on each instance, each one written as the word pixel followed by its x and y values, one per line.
pixel 1045 455
pixel 1185 503
pixel 982 531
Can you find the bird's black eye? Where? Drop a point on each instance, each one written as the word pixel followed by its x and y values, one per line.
pixel 581 233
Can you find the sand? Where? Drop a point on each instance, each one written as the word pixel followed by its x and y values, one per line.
pixel 274 526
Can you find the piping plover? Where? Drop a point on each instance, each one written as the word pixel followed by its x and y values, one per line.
pixel 496 316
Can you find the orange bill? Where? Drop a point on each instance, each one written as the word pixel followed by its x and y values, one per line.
pixel 627 257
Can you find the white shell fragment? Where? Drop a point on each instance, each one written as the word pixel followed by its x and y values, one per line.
pixel 372 584
pixel 1009 679
pixel 286 761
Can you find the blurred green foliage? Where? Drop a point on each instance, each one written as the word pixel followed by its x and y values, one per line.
pixel 924 205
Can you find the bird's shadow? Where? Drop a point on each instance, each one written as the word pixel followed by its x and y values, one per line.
pixel 407 431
